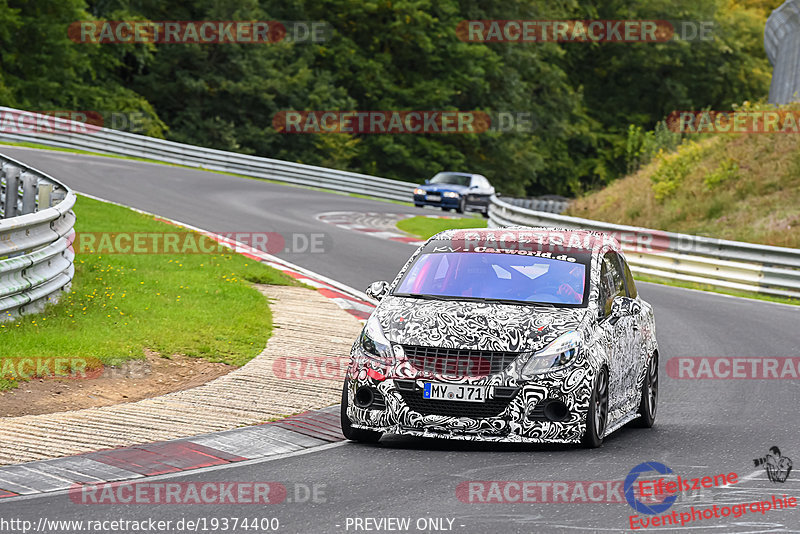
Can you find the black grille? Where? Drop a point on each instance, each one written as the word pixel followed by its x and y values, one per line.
pixel 472 410
pixel 378 403
pixel 458 362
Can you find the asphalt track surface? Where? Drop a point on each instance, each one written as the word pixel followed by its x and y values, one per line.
pixel 703 427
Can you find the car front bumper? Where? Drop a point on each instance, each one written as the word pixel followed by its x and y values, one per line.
pixel 516 419
pixel 445 202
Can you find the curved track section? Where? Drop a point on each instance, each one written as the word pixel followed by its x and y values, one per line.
pixel 704 427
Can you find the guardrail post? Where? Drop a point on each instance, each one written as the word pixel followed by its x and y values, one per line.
pixel 57 195
pixel 45 192
pixel 782 43
pixel 28 193
pixel 12 187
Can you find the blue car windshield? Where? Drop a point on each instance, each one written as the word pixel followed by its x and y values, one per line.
pixel 451 178
pixel 493 276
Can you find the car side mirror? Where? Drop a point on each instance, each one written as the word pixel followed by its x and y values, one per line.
pixel 623 307
pixel 475 187
pixel 378 290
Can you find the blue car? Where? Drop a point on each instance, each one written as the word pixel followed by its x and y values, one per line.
pixel 460 191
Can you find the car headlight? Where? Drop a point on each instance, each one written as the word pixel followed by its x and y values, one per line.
pixel 374 343
pixel 451 194
pixel 419 191
pixel 557 354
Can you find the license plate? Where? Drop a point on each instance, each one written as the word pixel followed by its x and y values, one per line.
pixel 454 392
pixel 433 198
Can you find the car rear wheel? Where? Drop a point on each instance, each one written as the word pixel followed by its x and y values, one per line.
pixel 597 417
pixel 649 403
pixel 355 434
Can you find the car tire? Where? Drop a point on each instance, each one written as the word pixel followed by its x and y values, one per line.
pixel 485 213
pixel 419 205
pixel 355 434
pixel 445 209
pixel 648 406
pixel 462 205
pixel 597 416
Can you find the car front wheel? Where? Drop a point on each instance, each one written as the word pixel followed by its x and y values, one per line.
pixel 597 417
pixel 355 434
pixel 462 205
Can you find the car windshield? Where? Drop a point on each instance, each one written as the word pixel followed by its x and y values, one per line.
pixel 497 276
pixel 451 178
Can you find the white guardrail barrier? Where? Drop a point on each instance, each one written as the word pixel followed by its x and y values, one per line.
pixel 36 257
pixel 726 264
pixel 714 262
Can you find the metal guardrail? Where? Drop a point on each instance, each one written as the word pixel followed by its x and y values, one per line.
pixel 36 231
pixel 782 43
pixel 715 262
pixel 539 204
pixel 720 263
pixel 24 126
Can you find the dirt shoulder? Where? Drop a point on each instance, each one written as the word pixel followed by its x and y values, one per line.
pixel 132 381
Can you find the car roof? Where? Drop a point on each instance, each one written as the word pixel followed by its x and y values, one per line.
pixel 543 234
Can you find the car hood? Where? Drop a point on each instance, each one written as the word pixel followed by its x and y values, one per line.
pixel 443 188
pixel 474 325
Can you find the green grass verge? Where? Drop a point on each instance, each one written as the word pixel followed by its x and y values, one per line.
pixel 425 227
pixel 146 160
pixel 200 305
pixel 714 289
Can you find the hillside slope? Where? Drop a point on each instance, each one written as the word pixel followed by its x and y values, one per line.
pixel 744 187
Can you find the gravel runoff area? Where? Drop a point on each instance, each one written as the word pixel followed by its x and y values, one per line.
pixel 306 324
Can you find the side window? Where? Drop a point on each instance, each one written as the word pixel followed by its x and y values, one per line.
pixel 629 283
pixel 612 283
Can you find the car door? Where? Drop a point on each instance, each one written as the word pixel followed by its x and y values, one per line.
pixel 480 191
pixel 635 334
pixel 612 285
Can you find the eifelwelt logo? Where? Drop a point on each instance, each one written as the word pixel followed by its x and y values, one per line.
pixel 630 485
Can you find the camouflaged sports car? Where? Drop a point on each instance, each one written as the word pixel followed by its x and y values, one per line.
pixel 516 334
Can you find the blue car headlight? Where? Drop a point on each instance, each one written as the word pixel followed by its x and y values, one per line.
pixel 419 191
pixel 558 354
pixel 451 194
pixel 374 343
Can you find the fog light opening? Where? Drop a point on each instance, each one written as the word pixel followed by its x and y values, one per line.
pixel 556 411
pixel 364 397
